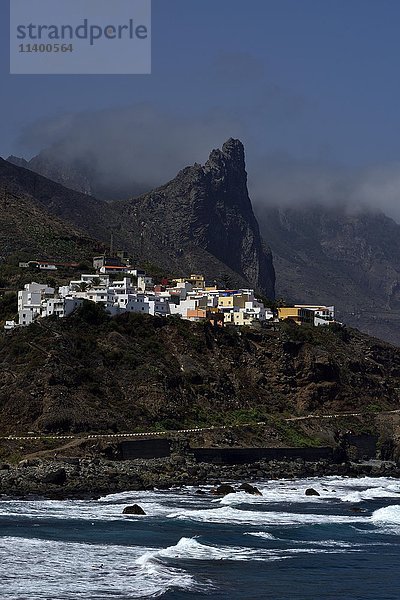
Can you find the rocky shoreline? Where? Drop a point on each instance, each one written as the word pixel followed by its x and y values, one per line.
pixel 82 478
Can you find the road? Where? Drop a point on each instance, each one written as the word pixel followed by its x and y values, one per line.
pixel 100 436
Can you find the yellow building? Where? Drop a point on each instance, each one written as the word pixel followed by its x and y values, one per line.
pixel 197 281
pixel 235 301
pixel 298 314
pixel 242 318
pixel 225 302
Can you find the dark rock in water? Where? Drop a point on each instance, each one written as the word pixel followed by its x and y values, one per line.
pixel 57 477
pixel 250 489
pixel 88 480
pixel 311 492
pixel 135 509
pixel 223 490
pixel 357 509
pixel 200 492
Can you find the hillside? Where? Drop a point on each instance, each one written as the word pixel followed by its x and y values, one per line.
pixel 84 212
pixel 94 373
pixel 337 256
pixel 31 218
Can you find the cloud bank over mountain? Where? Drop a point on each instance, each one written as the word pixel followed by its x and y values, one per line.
pixel 136 148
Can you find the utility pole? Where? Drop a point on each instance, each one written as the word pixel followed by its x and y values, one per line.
pixel 111 244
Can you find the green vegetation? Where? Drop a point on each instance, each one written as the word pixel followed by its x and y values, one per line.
pixel 91 313
pixel 314 335
pixel 156 272
pixel 272 304
pixel 246 415
pixel 293 433
pixel 134 372
pixel 13 277
pixel 8 307
pixel 373 408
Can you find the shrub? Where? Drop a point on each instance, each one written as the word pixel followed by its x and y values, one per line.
pixel 92 313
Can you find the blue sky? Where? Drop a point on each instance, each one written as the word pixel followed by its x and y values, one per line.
pixel 304 81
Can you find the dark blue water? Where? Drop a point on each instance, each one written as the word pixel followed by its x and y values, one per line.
pixel 283 545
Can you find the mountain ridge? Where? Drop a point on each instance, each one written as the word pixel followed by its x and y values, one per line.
pixel 28 229
pixel 337 256
pixel 202 220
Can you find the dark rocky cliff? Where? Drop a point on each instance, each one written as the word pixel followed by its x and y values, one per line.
pixel 204 219
pixel 338 256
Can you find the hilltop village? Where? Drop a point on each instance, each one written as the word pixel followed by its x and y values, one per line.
pixel 119 288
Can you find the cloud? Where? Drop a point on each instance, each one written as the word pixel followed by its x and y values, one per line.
pixel 379 186
pixel 246 78
pixel 133 148
pixel 281 180
pixel 129 150
pixel 136 148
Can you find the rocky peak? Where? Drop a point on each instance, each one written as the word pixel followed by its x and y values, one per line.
pixel 201 221
pixel 208 208
pixel 18 161
pixel 234 150
pixel 230 157
pixel 226 169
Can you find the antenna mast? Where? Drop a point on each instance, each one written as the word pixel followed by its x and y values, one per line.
pixel 111 244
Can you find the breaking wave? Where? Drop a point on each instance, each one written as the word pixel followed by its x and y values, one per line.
pixel 191 549
pixel 85 571
pixel 227 514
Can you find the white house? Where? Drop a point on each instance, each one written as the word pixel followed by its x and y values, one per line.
pixel 191 303
pixel 60 307
pixel 194 303
pixel 323 315
pixel 30 301
pixel 158 306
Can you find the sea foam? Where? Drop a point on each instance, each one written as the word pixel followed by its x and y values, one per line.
pixel 84 571
pixel 230 515
pixel 390 515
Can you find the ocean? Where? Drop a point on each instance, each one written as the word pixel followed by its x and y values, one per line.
pixel 343 544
